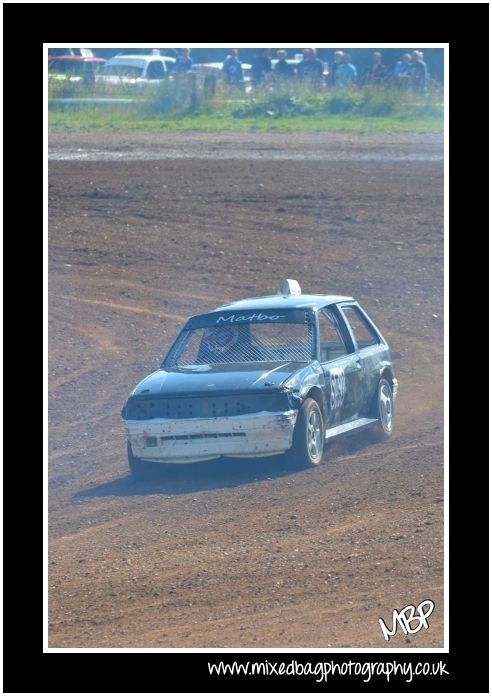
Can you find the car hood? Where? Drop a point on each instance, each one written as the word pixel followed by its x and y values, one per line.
pixel 204 379
pixel 122 79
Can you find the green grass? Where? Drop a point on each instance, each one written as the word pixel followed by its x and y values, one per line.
pixel 91 118
pixel 184 106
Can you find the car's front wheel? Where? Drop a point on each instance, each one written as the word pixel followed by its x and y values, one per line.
pixel 384 409
pixel 140 470
pixel 309 436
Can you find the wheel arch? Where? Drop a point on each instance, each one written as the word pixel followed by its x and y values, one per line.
pixel 387 373
pixel 316 394
pixel 372 404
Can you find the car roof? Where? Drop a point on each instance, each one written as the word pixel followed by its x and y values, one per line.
pixel 140 57
pixel 313 302
pixel 78 59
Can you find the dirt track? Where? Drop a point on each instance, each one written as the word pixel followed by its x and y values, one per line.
pixel 248 554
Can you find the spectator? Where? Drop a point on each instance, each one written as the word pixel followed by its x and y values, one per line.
pixel 377 73
pixel 338 56
pixel 401 72
pixel 418 72
pixel 346 74
pixel 426 71
pixel 183 62
pixel 401 67
pixel 261 66
pixel 283 70
pixel 310 69
pixel 232 69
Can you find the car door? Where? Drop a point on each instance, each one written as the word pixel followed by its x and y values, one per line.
pixel 155 70
pixel 369 344
pixel 344 392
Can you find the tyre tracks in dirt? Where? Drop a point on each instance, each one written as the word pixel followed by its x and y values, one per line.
pixel 236 553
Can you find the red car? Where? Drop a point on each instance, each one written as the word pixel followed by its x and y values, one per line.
pixel 76 68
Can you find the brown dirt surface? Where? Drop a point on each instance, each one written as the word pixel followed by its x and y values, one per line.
pixel 242 553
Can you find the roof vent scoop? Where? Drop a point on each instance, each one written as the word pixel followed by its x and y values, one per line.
pixel 289 287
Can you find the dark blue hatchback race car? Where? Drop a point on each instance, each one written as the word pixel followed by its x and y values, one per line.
pixel 265 376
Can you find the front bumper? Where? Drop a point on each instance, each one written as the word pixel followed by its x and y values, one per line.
pixel 198 439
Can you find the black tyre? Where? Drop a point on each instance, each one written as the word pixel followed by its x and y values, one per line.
pixel 140 470
pixel 309 436
pixel 383 409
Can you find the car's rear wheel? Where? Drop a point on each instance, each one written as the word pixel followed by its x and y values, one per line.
pixel 309 436
pixel 384 410
pixel 140 470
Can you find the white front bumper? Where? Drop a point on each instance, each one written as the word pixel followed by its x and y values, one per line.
pixel 197 439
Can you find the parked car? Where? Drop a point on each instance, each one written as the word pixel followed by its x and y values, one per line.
pixel 284 373
pixel 135 69
pixel 214 69
pixel 75 68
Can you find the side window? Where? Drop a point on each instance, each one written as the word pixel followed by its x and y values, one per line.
pixel 155 70
pixel 331 342
pixel 364 333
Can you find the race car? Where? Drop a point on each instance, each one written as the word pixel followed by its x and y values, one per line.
pixel 280 374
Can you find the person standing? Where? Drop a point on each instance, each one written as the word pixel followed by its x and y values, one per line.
pixel 426 71
pixel 337 61
pixel 283 70
pixel 261 66
pixel 232 69
pixel 183 62
pixel 310 69
pixel 418 72
pixel 377 72
pixel 400 76
pixel 346 75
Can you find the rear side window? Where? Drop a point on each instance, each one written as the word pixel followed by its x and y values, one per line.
pixel 363 332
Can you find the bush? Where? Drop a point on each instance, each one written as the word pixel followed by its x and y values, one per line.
pixel 299 102
pixel 275 105
pixel 341 102
pixel 188 94
pixel 372 101
pixel 378 101
pixel 65 89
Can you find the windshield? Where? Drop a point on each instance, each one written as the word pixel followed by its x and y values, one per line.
pixel 265 342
